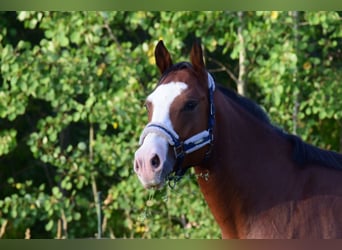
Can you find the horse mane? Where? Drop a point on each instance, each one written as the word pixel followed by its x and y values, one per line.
pixel 303 153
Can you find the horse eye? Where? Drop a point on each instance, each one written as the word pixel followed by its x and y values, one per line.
pixel 190 106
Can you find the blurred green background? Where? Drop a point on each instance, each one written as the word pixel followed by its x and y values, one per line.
pixel 72 88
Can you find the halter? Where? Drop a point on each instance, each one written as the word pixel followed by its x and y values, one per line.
pixel 195 142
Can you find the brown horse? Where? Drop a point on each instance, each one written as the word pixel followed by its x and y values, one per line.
pixel 261 182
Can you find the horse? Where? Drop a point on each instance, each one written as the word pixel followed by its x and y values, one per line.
pixel 261 182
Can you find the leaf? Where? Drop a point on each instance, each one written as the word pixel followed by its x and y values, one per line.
pixel 49 225
pixel 75 37
pixel 82 146
pixel 77 216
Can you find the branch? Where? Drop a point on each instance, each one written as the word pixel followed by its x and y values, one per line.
pixel 3 228
pixel 223 68
pixel 110 31
pixel 107 27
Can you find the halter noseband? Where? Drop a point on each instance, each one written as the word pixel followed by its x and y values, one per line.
pixel 195 142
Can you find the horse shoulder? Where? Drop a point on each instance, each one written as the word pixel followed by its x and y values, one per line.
pixel 314 212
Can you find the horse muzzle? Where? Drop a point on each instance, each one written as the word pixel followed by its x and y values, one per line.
pixel 153 161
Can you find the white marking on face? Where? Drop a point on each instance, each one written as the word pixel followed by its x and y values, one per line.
pixel 162 98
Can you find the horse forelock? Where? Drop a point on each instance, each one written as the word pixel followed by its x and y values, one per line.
pixel 188 70
pixel 175 67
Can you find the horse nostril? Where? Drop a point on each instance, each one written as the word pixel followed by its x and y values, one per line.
pixel 155 161
pixel 136 166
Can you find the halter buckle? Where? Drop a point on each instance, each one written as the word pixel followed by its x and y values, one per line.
pixel 179 150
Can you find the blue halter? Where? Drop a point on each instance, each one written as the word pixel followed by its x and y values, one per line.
pixel 182 148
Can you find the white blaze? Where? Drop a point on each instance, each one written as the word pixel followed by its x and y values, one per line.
pixel 162 98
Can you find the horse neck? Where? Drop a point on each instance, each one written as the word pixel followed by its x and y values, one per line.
pixel 247 155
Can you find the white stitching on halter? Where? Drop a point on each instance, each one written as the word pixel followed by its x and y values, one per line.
pixel 211 82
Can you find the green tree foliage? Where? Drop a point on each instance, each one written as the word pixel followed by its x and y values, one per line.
pixel 72 87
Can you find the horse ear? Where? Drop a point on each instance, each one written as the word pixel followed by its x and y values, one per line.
pixel 196 57
pixel 162 56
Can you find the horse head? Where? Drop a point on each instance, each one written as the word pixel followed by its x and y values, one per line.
pixel 181 118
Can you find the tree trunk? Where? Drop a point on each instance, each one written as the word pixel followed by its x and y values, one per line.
pixel 295 75
pixel 241 84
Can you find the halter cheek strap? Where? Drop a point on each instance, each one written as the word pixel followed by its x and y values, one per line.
pixel 195 142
